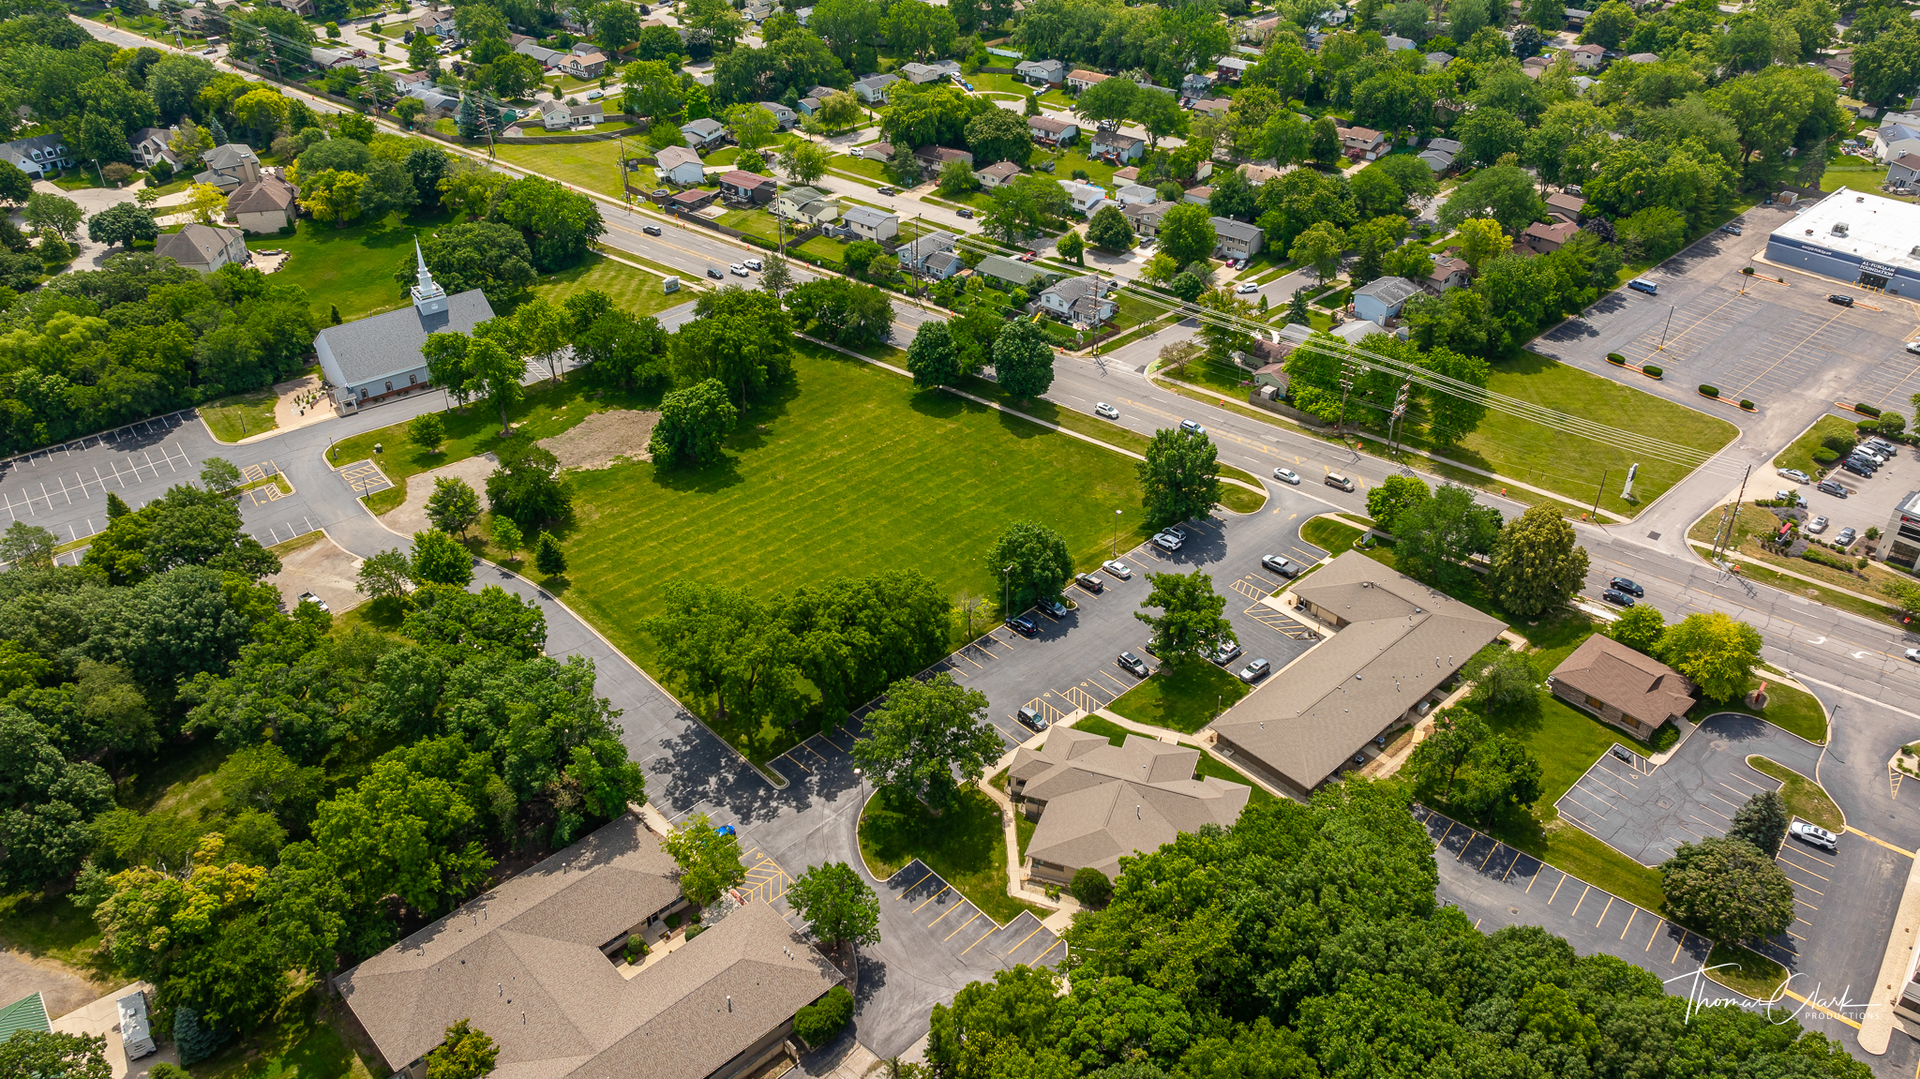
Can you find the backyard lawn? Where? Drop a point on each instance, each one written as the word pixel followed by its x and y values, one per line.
pixel 759 223
pixel 351 268
pixel 1182 696
pixel 966 845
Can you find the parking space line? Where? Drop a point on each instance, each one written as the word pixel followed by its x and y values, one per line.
pixel 1651 937
pixel 963 925
pixel 1797 852
pixel 1489 857
pixel 788 755
pixel 917 884
pixel 935 895
pixel 1023 940
pixel 1043 955
pixel 1556 888
pixel 1632 912
pixel 1871 839
pixel 1516 861
pixel 1677 947
pixel 1577 902
pixel 1603 913
pixel 983 936
pixel 962 905
pixel 1808 872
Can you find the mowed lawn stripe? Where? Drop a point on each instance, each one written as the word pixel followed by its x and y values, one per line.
pixel 856 473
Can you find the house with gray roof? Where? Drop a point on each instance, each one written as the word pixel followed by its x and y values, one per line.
pixel 151 144
pixel 873 89
pixel 1381 299
pixel 1085 300
pixel 806 204
pixel 228 166
pixel 1236 239
pixel 870 224
pixel 1387 643
pixel 378 358
pixel 1116 146
pixel 705 133
pixel 782 116
pixel 1096 803
pixel 549 58
pixel 1041 72
pixel 996 174
pixel 203 247
pixel 679 165
pixel 534 962
pixel 931 256
pixel 1009 273
pixel 39 155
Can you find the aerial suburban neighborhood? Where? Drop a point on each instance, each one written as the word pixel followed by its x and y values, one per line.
pixel 973 539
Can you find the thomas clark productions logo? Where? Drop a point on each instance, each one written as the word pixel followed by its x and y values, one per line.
pixel 1699 988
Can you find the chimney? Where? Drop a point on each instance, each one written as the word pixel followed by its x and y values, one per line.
pixel 729 1002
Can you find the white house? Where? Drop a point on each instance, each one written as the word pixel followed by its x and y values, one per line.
pixel 704 133
pixel 1588 57
pixel 1041 72
pixel 1139 194
pixel 562 117
pixel 805 204
pixel 1085 197
pixel 1381 299
pixel 1114 146
pixel 1052 131
pixel 681 166
pixel 1084 300
pixel 873 88
pixel 994 175
pixel 871 224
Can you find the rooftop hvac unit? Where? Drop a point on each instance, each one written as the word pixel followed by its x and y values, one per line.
pixel 1839 228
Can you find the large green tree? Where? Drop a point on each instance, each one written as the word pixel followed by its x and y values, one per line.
pixel 1030 562
pixel 1536 563
pixel 709 859
pixel 694 423
pixel 932 358
pixel 1190 624
pixel 1023 360
pixel 925 734
pixel 1728 888
pixel 1186 233
pixel 1716 651
pixel 1180 478
pixel 836 903
pixel 1762 821
pixel 1438 536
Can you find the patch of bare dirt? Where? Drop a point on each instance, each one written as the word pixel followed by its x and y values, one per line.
pixel 411 515
pixel 604 438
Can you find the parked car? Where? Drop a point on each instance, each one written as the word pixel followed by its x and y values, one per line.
pixel 1796 475
pixel 1287 475
pixel 1836 298
pixel 1792 498
pixel 1168 543
pixel 1054 607
pixel 1106 410
pixel 1817 525
pixel 1246 288
pixel 1278 565
pixel 1845 538
pixel 1024 626
pixel 309 597
pixel 1134 664
pixel 1176 532
pixel 1831 487
pixel 1028 256
pixel 651 230
pixel 964 211
pixel 1735 229
pixel 1189 425
pixel 1255 671
pixel 1617 598
pixel 1226 653
pixel 1031 720
pixel 1855 467
pixel 1089 582
pixel 1118 569
pixel 1914 347
pixel 1814 835
pixel 1641 284
pixel 1621 584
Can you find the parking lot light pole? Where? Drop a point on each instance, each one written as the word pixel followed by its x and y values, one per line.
pixel 1006 592
pixel 1116 533
pixel 1664 329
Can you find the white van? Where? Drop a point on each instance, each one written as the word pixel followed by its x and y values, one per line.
pixel 671 284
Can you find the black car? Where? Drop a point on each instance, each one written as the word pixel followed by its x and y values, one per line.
pixel 1091 583
pixel 715 274
pixel 1617 598
pixel 1134 664
pixel 1856 467
pixel 651 230
pixel 1829 487
pixel 1621 584
pixel 1031 720
pixel 1865 460
pixel 1843 301
pixel 1024 626
pixel 964 212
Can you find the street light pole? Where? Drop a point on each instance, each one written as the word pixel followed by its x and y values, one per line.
pixel 1006 591
pixel 1116 533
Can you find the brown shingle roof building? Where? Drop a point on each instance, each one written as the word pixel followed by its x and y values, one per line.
pixel 1395 640
pixel 1624 687
pixel 527 963
pixel 1097 802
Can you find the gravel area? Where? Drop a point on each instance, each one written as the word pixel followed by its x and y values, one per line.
pixel 603 439
pixel 411 516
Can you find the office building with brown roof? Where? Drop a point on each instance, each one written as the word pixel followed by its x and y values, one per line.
pixel 532 963
pixel 1628 689
pixel 1390 642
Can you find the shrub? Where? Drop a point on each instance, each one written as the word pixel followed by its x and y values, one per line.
pixel 164 1070
pixel 1651 370
pixel 1840 444
pixel 1091 887
pixel 1615 357
pixel 1860 563
pixel 1866 410
pixel 1825 456
pixel 1709 391
pixel 1820 556
pixel 1748 270
pixel 1867 427
pixel 1873 533
pixel 673 920
pixel 695 930
pixel 1665 737
pixel 817 1023
pixel 1746 404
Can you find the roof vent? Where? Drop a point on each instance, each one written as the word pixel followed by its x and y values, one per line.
pixel 1839 228
pixel 1859 198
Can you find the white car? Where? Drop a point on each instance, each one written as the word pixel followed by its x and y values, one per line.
pixel 1814 835
pixel 309 597
pixel 1914 347
pixel 1817 525
pixel 1246 288
pixel 753 264
pixel 1118 569
pixel 1287 475
pixel 1107 410
pixel 1914 654
pixel 1168 543
pixel 737 270
pixel 1796 475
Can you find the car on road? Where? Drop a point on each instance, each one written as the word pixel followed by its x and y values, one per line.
pixel 1118 569
pixel 1845 538
pixel 1817 525
pixel 1831 487
pixel 1168 543
pixel 1287 475
pixel 1106 410
pixel 1226 653
pixel 1278 565
pixel 1130 662
pixel 209 50
pixel 1028 256
pixel 964 211
pixel 1054 607
pixel 1189 425
pixel 1796 475
pixel 1735 229
pixel 1091 583
pixel 753 264
pixel 1617 598
pixel 1914 654
pixel 715 274
pixel 1024 626
pixel 1255 671
pixel 889 190
pixel 1814 835
pixel 737 270
pixel 309 597
pixel 1031 720
pixel 1621 584
pixel 1836 298
pixel 651 230
pixel 1246 288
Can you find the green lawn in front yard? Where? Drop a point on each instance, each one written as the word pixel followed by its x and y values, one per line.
pixel 1184 696
pixel 1330 534
pixel 1799 454
pixel 634 291
pixel 759 223
pixel 1792 710
pixel 351 268
pixel 863 169
pixel 240 415
pixel 966 845
pixel 592 165
pixel 1209 765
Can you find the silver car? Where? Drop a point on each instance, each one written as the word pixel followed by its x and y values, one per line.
pixel 1118 569
pixel 1813 835
pixel 1287 475
pixel 1255 671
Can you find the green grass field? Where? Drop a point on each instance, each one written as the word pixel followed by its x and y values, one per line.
pixel 592 165
pixel 966 845
pixel 1799 454
pixel 353 267
pixel 634 291
pixel 239 416
pixel 1183 696
pixel 1805 798
pixel 1330 534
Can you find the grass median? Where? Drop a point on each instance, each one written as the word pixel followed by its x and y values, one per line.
pixel 1184 695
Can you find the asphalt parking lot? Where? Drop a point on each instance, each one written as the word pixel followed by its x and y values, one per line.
pixel 938 919
pixel 1869 501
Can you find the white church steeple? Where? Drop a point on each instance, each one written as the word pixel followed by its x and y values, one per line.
pixel 428 297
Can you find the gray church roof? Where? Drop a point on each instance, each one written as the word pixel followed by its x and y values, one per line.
pixel 373 348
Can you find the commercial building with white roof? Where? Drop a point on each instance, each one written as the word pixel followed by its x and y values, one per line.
pixel 1855 237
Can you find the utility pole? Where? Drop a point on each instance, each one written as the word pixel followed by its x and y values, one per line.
pixel 1730 518
pixel 1346 387
pixel 1664 329
pixel 1399 411
pixel 1595 513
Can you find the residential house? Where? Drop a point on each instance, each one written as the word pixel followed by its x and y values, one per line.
pixel 1541 239
pixel 1440 161
pixel 782 115
pixel 1260 174
pixel 1085 197
pixel 1381 299
pixel 1902 170
pixel 1195 84
pixel 1385 639
pixel 873 88
pixel 1233 68
pixel 1396 43
pixel 1136 193
pixel 876 151
pixel 549 58
pixel 559 116
pixel 1273 374
pixel 1437 61
pixel 590 65
pixel 994 175
pixel 807 106
pixel 228 166
pixel 931 256
pixel 408 79
pixel 805 204
pixel 692 200
pixel 1210 106
pixel 1087 300
pixel 1535 66
pixel 1448 274
pixel 704 134
pixel 29 1013
pixel 1583 83
pixel 1643 58
pixel 1078 787
pixel 1052 131
pixel 1115 147
pixel 680 166
pixel 1588 57
pixel 870 224
pixel 1128 175
pixel 1041 72
pixel 819 93
pixel 150 144
pixel 377 358
pixel 1079 79
pixel 1564 207
pixel 203 247
pixel 535 962
pixel 1622 686
pixel 432 98
pixel 302 8
pixel 747 187
pixel 268 204
pixel 1361 143
pixel 1145 217
pixel 1449 146
pixel 803 14
pixel 1255 31
pixel 1009 273
pixel 920 74
pixel 1201 195
pixel 439 25
pixel 933 158
pixel 1236 239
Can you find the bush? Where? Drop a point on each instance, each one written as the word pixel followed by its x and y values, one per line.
pixel 164 1070
pixel 1820 556
pixel 1860 563
pixel 1665 737
pixel 817 1023
pixel 1873 533
pixel 1825 456
pixel 1866 410
pixel 1748 270
pixel 1709 391
pixel 1652 370
pixel 695 930
pixel 1746 404
pixel 1867 427
pixel 673 920
pixel 1615 357
pixel 1091 887
pixel 1840 444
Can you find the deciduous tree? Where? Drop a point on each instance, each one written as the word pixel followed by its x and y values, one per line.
pixel 1639 627
pixel 467 1052
pixel 438 559
pixel 1536 563
pixel 1030 561
pixel 837 905
pixel 453 506
pixel 1714 650
pixel 924 734
pixel 709 859
pixel 1439 535
pixel 122 223
pixel 1023 360
pixel 694 423
pixel 1190 624
pixel 1728 889
pixel 1186 231
pixel 932 358
pixel 1180 478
